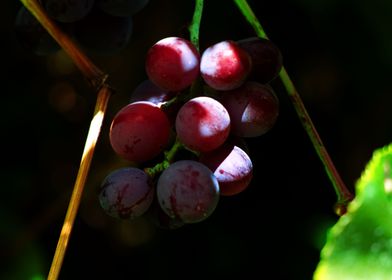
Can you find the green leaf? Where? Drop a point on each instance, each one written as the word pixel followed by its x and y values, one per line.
pixel 359 245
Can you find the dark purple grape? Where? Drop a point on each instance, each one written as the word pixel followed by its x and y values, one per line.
pixel 126 193
pixel 122 7
pixel 188 190
pixel 32 35
pixel 139 131
pixel 231 166
pixel 253 109
pixel 266 58
pixel 148 91
pixel 102 33
pixel 67 10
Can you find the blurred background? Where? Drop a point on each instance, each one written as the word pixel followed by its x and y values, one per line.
pixel 339 55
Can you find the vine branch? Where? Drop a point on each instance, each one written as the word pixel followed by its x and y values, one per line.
pixel 343 194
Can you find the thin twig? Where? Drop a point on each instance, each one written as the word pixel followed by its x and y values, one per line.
pixel 98 80
pixel 343 194
pixel 95 127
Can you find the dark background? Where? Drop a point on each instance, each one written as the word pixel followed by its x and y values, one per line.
pixel 339 55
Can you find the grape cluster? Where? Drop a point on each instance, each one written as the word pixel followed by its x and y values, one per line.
pixel 99 26
pixel 207 103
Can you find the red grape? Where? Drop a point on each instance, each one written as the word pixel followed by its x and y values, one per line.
pixel 225 66
pixel 126 193
pixel 202 124
pixel 253 109
pixel 231 166
pixel 266 58
pixel 188 190
pixel 139 131
pixel 173 63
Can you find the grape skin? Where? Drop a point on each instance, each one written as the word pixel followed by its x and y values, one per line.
pixel 188 190
pixel 266 58
pixel 253 109
pixel 122 7
pixel 139 131
pixel 202 124
pixel 126 193
pixel 225 66
pixel 68 10
pixel 231 166
pixel 172 63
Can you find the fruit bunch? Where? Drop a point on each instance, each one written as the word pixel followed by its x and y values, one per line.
pixel 203 105
pixel 100 26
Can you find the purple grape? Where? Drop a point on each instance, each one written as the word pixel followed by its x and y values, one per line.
pixel 126 193
pixel 32 36
pixel 148 91
pixel 202 124
pixel 68 10
pixel 266 58
pixel 103 33
pixel 139 131
pixel 122 7
pixel 188 190
pixel 225 66
pixel 231 166
pixel 253 109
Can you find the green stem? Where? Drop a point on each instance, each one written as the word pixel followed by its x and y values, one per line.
pixel 169 156
pixel 343 194
pixel 195 25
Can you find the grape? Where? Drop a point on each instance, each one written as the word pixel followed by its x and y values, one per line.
pixel 126 193
pixel 139 131
pixel 148 91
pixel 202 124
pixel 225 66
pixel 231 166
pixel 172 63
pixel 188 191
pixel 103 33
pixel 122 7
pixel 266 58
pixel 67 10
pixel 253 109
pixel 32 35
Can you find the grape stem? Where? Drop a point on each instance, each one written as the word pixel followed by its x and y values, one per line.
pixel 343 194
pixel 169 156
pixel 97 79
pixel 194 27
